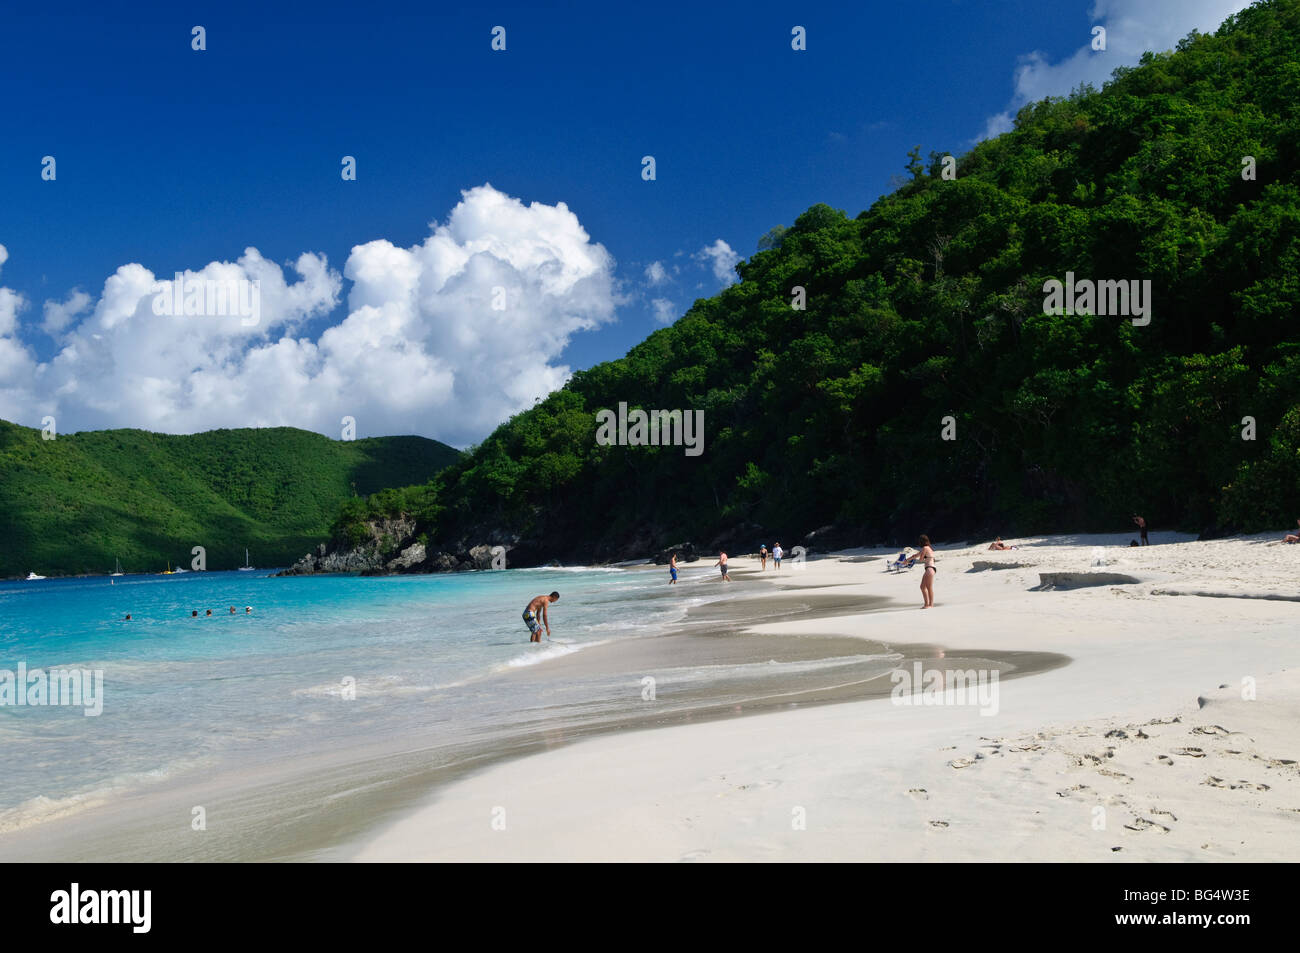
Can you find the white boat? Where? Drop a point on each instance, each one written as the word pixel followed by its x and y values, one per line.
pixel 247 567
pixel 117 568
pixel 32 577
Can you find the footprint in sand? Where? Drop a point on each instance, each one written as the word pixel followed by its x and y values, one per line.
pixel 1164 759
pixel 1275 762
pixel 692 856
pixel 961 762
pixel 919 794
pixel 1113 774
pixel 1168 814
pixel 1142 824
pixel 758 785
pixel 1190 752
pixel 1214 782
pixel 1066 792
pixel 938 823
pixel 1210 730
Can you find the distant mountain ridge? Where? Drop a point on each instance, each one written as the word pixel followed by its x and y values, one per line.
pixel 896 373
pixel 77 503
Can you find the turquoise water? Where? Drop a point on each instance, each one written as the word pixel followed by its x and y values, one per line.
pixel 184 695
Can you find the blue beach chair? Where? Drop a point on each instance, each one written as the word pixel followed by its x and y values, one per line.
pixel 900 564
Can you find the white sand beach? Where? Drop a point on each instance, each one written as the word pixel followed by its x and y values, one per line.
pixel 1172 735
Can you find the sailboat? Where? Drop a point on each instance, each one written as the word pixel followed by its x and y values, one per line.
pixel 168 570
pixel 247 567
pixel 117 568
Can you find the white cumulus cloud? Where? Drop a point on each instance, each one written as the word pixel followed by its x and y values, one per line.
pixel 445 338
pixel 59 314
pixel 665 311
pixel 1133 27
pixel 722 259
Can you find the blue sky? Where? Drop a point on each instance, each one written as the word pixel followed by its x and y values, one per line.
pixel 173 159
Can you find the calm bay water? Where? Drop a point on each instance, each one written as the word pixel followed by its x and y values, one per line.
pixel 184 695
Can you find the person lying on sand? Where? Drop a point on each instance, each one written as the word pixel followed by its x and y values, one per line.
pixel 927 579
pixel 537 609
pixel 1293 537
pixel 998 546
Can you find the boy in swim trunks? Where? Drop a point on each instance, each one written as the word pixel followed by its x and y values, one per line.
pixel 672 569
pixel 722 564
pixel 537 610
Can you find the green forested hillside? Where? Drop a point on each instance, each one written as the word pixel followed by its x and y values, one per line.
pixel 930 304
pixel 76 503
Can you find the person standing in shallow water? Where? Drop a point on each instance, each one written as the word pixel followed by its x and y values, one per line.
pixel 672 570
pixel 535 616
pixel 927 578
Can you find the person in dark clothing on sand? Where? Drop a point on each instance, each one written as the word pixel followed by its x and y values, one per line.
pixel 1142 526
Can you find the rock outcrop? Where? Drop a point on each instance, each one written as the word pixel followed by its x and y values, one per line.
pixel 390 547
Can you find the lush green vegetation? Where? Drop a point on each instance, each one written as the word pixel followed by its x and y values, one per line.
pixel 930 304
pixel 77 503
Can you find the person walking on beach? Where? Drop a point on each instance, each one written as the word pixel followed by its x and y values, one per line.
pixel 672 570
pixel 537 611
pixel 1142 525
pixel 927 578
pixel 722 564
pixel 777 553
pixel 762 556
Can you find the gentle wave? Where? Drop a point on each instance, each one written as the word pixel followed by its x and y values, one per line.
pixel 552 650
pixel 40 809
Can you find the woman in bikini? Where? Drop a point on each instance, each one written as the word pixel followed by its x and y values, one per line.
pixel 927 579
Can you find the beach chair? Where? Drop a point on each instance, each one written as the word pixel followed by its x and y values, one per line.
pixel 898 565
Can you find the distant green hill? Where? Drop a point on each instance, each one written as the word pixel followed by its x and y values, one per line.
pixel 76 503
pixel 899 372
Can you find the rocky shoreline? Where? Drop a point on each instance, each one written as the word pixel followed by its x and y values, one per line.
pixel 394 547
